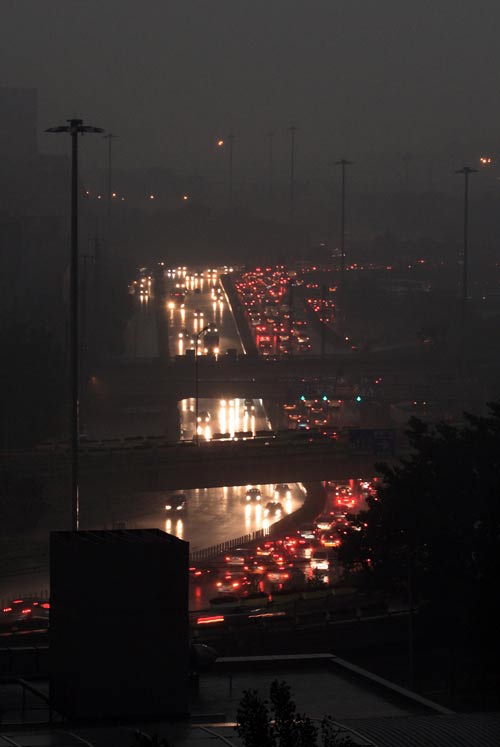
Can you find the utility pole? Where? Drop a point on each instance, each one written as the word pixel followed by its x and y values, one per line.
pixel 109 138
pixel 466 171
pixel 292 130
pixel 343 162
pixel 323 325
pixel 74 128
pixel 230 140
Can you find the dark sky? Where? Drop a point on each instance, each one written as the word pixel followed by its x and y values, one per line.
pixel 357 77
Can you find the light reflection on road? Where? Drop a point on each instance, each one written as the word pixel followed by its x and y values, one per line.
pixel 222 416
pixel 213 515
pixel 200 302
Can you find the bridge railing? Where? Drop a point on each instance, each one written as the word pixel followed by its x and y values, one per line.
pixel 215 551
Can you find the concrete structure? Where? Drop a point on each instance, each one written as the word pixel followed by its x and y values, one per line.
pixel 119 624
pixel 368 709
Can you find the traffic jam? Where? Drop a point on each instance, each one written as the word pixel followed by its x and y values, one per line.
pixel 256 579
pixel 267 297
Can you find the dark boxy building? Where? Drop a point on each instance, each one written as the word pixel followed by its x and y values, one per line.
pixel 119 624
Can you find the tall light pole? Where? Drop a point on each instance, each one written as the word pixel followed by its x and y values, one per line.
pixel 344 163
pixel 196 380
pixel 466 171
pixel 109 137
pixel 270 166
pixel 74 128
pixel 230 140
pixel 292 130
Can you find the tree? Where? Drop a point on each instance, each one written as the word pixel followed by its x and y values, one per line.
pixel 434 524
pixel 278 724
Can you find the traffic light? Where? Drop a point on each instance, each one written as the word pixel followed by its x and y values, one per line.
pixel 359 398
pixel 303 399
pixel 325 398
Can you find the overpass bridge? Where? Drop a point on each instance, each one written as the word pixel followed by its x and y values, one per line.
pixel 155 384
pixel 187 466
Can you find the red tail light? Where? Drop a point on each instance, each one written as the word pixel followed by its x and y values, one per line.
pixel 212 619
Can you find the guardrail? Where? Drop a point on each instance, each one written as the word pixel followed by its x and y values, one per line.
pixel 213 552
pixel 294 611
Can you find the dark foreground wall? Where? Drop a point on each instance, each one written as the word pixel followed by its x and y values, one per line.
pixel 119 624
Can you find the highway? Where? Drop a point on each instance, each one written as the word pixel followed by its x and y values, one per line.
pixel 131 486
pixel 201 306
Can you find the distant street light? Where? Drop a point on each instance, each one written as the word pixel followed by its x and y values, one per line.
pixel 343 162
pixel 292 130
pixel 74 128
pixel 466 171
pixel 196 380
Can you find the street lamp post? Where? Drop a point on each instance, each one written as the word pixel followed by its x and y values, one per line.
pixel 466 171
pixel 292 130
pixel 109 137
pixel 196 380
pixel 343 162
pixel 74 128
pixel 230 139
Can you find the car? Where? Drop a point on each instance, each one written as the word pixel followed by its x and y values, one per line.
pixel 26 608
pixel 330 539
pixel 176 504
pixel 307 531
pixel 273 508
pixel 282 490
pixel 287 575
pixel 231 583
pixel 242 435
pixel 204 417
pixel 198 573
pixel 266 550
pixel 238 556
pixel 254 495
pixel 197 313
pixel 319 560
pixel 249 405
pixel 324 522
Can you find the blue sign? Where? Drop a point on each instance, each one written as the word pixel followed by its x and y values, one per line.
pixel 373 440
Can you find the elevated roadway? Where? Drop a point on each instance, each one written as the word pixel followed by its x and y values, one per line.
pixel 209 465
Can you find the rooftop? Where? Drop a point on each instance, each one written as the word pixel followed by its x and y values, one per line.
pixel 373 711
